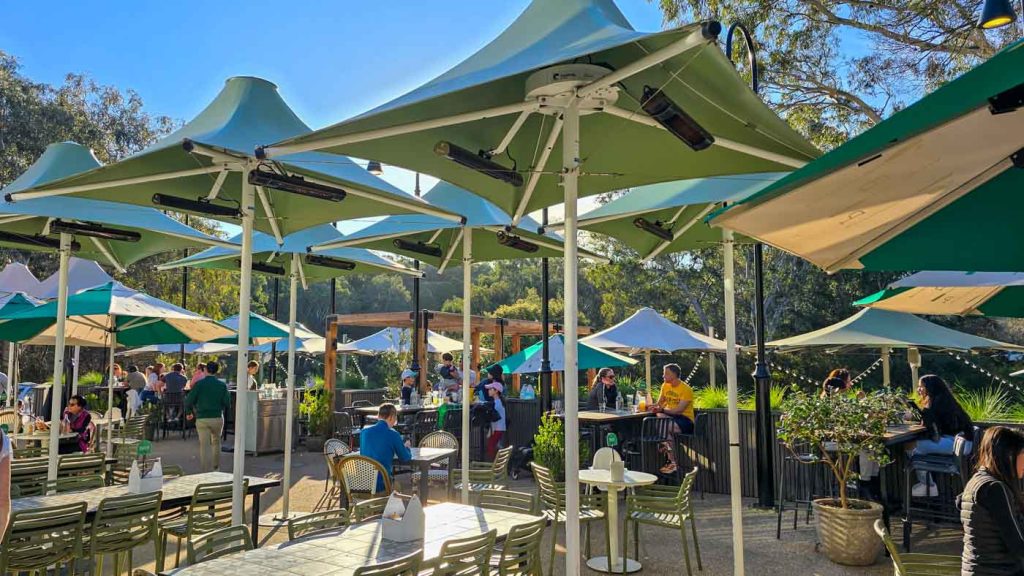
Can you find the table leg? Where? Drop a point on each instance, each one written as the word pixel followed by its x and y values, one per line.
pixel 424 481
pixel 884 493
pixel 256 518
pixel 613 562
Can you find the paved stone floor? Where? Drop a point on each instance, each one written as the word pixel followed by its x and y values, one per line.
pixel 661 553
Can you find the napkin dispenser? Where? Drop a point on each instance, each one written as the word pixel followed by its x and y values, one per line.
pixel 403 523
pixel 618 470
pixel 142 483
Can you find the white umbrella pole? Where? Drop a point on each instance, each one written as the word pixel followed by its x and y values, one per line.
pixel 570 182
pixel 467 354
pixel 242 372
pixel 293 305
pixel 10 373
pixel 647 369
pixel 914 359
pixel 74 371
pixel 711 362
pixel 886 366
pixel 110 394
pixel 56 390
pixel 735 488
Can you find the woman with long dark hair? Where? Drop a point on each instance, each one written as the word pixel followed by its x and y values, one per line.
pixel 944 419
pixel 990 507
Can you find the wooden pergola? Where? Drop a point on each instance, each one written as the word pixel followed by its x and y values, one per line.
pixel 501 328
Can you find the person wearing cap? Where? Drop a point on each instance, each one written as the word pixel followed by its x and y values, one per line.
pixel 408 385
pixel 382 442
pixel 495 373
pixel 495 389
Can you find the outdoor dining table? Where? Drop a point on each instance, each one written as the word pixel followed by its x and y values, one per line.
pixel 594 419
pixel 423 458
pixel 176 492
pixel 41 436
pixel 895 437
pixel 603 480
pixel 343 551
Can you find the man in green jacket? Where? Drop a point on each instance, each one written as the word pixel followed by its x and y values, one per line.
pixel 206 402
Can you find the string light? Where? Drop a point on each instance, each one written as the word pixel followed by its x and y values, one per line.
pixel 869 370
pixel 985 372
pixel 696 366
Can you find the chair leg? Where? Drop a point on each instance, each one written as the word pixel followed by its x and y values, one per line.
pixel 686 549
pixel 177 553
pixel 161 550
pixel 636 541
pixel 554 544
pixel 780 507
pixel 696 543
pixel 907 507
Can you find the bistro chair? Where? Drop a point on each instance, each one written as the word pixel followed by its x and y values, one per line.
pixel 404 566
pixel 121 524
pixel 466 556
pixel 209 510
pixel 11 419
pixel 28 476
pixel 664 506
pixel 423 424
pixel 453 422
pixel 802 478
pixel 593 508
pixel 172 413
pixel 371 509
pixel 317 523
pixel 508 501
pixel 334 449
pixel 917 564
pixel 358 475
pixel 217 543
pixel 520 553
pixel 343 428
pixel 484 475
pixel 39 538
pixel 75 484
pixel 438 473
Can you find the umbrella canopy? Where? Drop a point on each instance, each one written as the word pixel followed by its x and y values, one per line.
pixel 956 293
pixel 14 303
pixel 437 241
pixel 262 330
pixel 647 330
pixel 872 328
pixel 16 277
pixel 199 348
pixel 398 341
pixel 136 317
pixel 528 361
pixel 492 101
pixel 894 197
pixel 276 259
pixel 126 235
pixel 204 159
pixel 82 274
pixel 677 208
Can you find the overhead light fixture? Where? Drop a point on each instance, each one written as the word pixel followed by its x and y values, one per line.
pixel 516 243
pixel 198 206
pixel 654 228
pixel 418 247
pixel 671 117
pixel 996 14
pixel 35 241
pixel 481 162
pixel 265 268
pixel 374 168
pixel 328 262
pixel 295 185
pixel 94 231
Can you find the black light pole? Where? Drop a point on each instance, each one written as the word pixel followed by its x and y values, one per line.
pixel 273 345
pixel 545 359
pixel 184 296
pixel 415 366
pixel 762 377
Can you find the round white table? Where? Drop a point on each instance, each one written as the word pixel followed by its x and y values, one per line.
pixel 603 480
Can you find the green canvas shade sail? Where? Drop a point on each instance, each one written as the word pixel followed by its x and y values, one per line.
pixel 11 304
pixel 675 211
pixel 953 293
pixel 528 361
pixel 133 232
pixel 933 187
pixel 439 242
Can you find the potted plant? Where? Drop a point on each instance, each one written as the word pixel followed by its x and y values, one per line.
pixel 318 416
pixel 837 430
pixel 549 446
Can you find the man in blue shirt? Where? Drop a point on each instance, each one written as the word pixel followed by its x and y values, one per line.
pixel 382 443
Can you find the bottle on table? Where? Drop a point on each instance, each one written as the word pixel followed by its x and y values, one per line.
pixel 619 403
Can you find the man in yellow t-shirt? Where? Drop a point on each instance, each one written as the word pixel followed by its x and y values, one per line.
pixel 675 401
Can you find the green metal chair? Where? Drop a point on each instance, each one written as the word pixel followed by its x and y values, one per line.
pixel 217 543
pixel 485 475
pixel 508 501
pixel 43 537
pixel 593 508
pixel 82 465
pixel 28 476
pixel 368 509
pixel 404 566
pixel 466 556
pixel 520 553
pixel 75 484
pixel 209 510
pixel 121 524
pixel 667 507
pixel 917 564
pixel 36 451
pixel 172 471
pixel 317 523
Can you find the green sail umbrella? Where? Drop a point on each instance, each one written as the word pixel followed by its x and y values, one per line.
pixel 528 361
pixel 13 303
pixel 570 100
pixel 207 167
pixel 953 293
pixel 933 187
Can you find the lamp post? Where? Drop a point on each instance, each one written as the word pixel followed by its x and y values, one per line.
pixel 762 376
pixel 545 358
pixel 415 366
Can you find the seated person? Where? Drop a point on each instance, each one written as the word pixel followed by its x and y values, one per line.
pixel 990 507
pixel 604 384
pixel 675 401
pixel 449 373
pixel 76 420
pixel 408 385
pixel 382 442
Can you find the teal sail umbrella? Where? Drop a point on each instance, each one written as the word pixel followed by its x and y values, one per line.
pixel 528 361
pixel 570 100
pixel 207 167
pixel 13 303
pixel 936 293
pixel 933 187
pixel 262 330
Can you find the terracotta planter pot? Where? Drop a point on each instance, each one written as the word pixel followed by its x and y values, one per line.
pixel 848 536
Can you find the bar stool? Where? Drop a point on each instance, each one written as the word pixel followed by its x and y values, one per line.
pixel 654 432
pixel 689 441
pixel 807 481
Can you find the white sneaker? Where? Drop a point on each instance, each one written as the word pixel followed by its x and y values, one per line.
pixel 922 490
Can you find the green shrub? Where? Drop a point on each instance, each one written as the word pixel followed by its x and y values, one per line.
pixel 352 382
pixel 1016 413
pixel 711 397
pixel 549 446
pixel 315 408
pixel 990 404
pixel 90 379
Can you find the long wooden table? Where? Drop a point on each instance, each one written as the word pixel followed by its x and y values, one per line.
pixel 176 492
pixel 341 552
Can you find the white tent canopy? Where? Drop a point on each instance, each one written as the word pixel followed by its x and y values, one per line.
pixel 82 274
pixel 398 340
pixel 647 330
pixel 16 277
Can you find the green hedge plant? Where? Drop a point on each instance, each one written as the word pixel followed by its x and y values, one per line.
pixel 549 446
